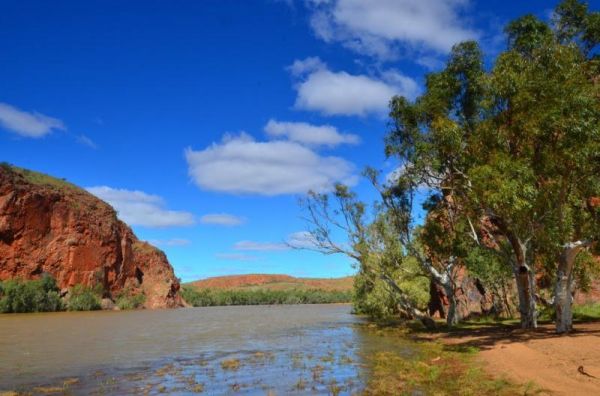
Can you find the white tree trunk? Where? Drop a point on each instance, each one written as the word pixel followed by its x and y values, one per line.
pixel 452 317
pixel 563 292
pixel 526 289
pixel 445 279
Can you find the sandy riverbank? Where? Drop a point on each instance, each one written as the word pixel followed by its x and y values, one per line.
pixel 561 365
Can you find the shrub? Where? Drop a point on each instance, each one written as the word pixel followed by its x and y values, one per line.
pixel 82 298
pixel 128 301
pixel 40 295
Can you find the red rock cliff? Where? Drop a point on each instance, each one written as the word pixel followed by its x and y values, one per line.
pixel 49 225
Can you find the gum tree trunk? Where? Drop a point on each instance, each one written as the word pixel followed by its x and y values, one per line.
pixel 563 292
pixel 524 276
pixel 452 315
pixel 447 282
pixel 525 279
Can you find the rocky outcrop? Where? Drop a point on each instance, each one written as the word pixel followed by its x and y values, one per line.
pixel 50 226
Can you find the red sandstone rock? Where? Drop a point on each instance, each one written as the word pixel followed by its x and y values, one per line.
pixel 51 226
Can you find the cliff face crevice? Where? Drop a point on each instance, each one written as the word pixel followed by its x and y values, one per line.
pixel 51 226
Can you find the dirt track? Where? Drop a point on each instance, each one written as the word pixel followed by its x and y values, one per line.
pixel 551 361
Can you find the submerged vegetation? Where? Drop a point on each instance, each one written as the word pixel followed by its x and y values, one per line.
pixel 217 297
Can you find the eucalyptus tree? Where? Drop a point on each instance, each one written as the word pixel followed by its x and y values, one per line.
pixel 545 127
pixel 508 146
pixel 430 138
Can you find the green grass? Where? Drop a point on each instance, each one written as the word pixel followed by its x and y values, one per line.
pixel 586 312
pixel 40 178
pixel 435 369
pixel 218 297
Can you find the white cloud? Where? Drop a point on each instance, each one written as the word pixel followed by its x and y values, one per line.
pixel 301 240
pixel 170 242
pixel 34 125
pixel 260 246
pixel 306 66
pixel 222 219
pixel 239 164
pixel 312 135
pixel 236 257
pixel 86 141
pixel 141 209
pixel 296 240
pixel 341 93
pixel 380 27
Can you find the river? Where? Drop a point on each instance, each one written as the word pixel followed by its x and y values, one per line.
pixel 288 349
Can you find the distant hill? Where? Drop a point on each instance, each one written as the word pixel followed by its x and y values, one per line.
pixel 274 282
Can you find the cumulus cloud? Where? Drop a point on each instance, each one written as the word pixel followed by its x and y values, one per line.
pixel 141 209
pixel 28 124
pixel 380 27
pixel 222 219
pixel 312 135
pixel 341 93
pixel 260 246
pixel 239 164
pixel 170 242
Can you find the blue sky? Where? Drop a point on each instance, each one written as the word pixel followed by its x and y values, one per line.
pixel 203 122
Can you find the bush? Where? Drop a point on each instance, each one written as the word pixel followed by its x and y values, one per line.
pixel 40 295
pixel 82 298
pixel 127 301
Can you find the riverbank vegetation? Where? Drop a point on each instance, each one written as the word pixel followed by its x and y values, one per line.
pixel 497 185
pixel 43 295
pixel 435 368
pixel 222 297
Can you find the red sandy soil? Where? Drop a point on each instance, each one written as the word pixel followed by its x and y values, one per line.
pixel 560 365
pixel 274 282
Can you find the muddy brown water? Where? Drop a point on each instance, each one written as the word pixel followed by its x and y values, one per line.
pixel 293 349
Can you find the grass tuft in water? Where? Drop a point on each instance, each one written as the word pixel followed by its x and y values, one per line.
pixel 230 364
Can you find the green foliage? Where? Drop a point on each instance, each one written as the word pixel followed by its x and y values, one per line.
pixel 217 297
pixel 82 298
pixel 495 276
pixel 516 145
pixel 374 297
pixel 527 33
pixel 41 295
pixel 126 300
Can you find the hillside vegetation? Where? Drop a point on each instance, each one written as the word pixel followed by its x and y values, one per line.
pixel 274 282
pixel 265 289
